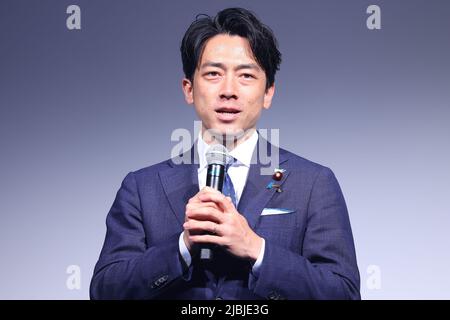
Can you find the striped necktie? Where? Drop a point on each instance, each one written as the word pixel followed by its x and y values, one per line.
pixel 228 188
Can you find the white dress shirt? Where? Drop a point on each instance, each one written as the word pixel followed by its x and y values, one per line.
pixel 238 173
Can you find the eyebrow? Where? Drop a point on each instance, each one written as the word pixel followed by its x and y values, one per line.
pixel 223 67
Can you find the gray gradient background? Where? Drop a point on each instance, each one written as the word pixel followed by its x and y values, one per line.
pixel 80 109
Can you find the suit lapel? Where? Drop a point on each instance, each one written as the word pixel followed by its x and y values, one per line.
pixel 180 182
pixel 256 194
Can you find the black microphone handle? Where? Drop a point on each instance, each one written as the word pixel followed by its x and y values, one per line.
pixel 214 179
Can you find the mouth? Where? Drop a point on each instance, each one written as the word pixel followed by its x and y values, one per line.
pixel 227 114
pixel 231 110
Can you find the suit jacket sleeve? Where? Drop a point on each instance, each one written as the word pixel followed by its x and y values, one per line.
pixel 127 269
pixel 325 268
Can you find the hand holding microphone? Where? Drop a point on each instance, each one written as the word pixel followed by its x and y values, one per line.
pixel 212 219
pixel 217 158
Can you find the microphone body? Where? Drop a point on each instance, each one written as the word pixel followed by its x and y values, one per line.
pixel 215 176
pixel 216 157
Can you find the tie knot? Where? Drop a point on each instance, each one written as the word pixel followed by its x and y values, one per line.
pixel 230 163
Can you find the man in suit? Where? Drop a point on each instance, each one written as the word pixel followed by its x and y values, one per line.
pixel 285 236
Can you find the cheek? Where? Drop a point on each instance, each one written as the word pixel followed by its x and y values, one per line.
pixel 254 95
pixel 204 97
pixel 254 104
pixel 200 101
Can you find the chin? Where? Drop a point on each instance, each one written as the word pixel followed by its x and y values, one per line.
pixel 230 133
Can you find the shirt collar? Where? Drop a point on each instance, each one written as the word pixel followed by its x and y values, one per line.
pixel 242 153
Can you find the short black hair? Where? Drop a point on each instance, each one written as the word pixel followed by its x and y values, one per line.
pixel 232 21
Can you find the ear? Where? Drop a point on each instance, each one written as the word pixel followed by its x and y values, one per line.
pixel 188 90
pixel 268 95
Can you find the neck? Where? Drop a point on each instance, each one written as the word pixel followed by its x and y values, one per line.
pixel 230 141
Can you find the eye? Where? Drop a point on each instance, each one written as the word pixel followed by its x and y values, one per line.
pixel 248 76
pixel 212 74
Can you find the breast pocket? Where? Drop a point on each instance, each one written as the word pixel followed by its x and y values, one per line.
pixel 272 220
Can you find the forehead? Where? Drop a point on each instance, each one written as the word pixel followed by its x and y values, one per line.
pixel 225 48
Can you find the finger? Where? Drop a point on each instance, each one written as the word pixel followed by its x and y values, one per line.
pixel 207 238
pixel 210 204
pixel 209 214
pixel 205 226
pixel 207 189
pixel 194 199
pixel 224 202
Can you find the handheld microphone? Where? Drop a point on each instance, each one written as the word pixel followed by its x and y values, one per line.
pixel 217 157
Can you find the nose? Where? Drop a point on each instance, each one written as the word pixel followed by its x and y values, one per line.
pixel 228 89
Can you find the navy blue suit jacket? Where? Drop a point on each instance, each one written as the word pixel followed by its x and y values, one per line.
pixel 309 253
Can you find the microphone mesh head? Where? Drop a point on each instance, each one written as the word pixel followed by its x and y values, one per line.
pixel 218 154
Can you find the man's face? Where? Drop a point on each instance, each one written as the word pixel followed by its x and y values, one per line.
pixel 229 87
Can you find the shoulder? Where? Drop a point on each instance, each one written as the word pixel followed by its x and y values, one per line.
pixel 303 167
pixel 298 162
pixel 153 169
pixel 147 174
